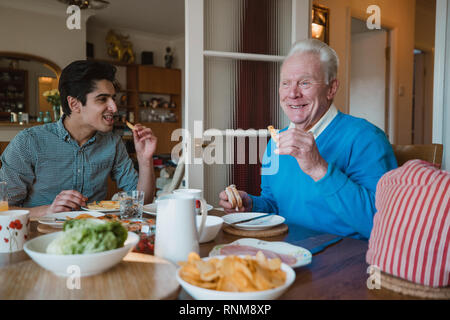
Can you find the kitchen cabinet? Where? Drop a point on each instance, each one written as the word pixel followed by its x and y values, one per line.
pixel 13 90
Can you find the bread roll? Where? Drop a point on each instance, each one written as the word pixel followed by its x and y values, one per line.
pixel 237 196
pixel 233 197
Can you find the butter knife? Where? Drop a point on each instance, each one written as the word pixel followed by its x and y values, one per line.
pixel 251 219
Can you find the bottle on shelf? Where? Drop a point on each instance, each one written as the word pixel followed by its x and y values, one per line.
pixel 48 117
pixel 40 118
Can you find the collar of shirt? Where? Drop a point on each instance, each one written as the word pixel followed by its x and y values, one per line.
pixel 65 135
pixel 323 122
pixel 61 130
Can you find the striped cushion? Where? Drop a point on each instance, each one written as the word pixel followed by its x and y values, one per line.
pixel 410 237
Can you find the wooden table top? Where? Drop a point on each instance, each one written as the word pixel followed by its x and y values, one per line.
pixel 338 272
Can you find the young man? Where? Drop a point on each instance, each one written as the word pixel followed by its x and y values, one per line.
pixel 61 166
pixel 329 162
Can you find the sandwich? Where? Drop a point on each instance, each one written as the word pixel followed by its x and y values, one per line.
pixel 273 133
pixel 233 197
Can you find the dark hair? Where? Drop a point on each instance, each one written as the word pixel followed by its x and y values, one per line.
pixel 79 78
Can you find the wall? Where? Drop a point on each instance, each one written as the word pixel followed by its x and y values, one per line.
pixel 398 15
pixel 425 26
pixel 41 34
pixel 39 31
pixel 369 77
pixel 340 30
pixel 141 41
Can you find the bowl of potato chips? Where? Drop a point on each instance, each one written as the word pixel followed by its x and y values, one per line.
pixel 234 277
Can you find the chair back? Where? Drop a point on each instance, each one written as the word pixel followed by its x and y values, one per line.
pixel 428 152
pixel 177 177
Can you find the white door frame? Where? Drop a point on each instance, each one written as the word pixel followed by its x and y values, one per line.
pixel 194 78
pixel 441 95
pixel 194 95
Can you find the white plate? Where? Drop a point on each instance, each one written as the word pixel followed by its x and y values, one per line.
pixel 301 255
pixel 259 224
pixel 151 208
pixel 207 294
pixel 62 215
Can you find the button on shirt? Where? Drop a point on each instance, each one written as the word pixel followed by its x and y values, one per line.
pixel 42 161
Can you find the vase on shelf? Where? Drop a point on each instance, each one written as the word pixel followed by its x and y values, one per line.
pixel 47 117
pixel 40 118
pixel 56 113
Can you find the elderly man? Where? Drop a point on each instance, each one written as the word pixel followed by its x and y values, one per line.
pixel 60 166
pixel 329 162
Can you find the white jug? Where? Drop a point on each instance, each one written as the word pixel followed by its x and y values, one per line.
pixel 176 228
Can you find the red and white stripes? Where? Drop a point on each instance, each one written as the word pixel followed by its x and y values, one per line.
pixel 411 233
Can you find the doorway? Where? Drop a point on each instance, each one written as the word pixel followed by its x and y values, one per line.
pixel 369 81
pixel 422 114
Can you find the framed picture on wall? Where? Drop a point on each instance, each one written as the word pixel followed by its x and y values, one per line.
pixel 320 26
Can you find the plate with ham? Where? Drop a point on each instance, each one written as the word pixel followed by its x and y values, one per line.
pixel 289 254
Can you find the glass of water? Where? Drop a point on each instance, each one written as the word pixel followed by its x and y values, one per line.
pixel 131 203
pixel 3 196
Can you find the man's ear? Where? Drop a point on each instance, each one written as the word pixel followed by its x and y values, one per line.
pixel 74 104
pixel 332 90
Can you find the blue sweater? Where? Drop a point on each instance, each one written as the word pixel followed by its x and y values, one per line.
pixel 343 201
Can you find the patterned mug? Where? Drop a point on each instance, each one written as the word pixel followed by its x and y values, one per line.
pixel 13 230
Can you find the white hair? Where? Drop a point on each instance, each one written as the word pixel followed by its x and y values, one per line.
pixel 327 55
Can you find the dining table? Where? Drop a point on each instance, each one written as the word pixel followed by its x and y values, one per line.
pixel 336 272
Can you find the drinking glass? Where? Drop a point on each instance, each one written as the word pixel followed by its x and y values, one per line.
pixel 131 203
pixel 3 196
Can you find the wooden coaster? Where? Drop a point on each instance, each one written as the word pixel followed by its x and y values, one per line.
pixel 44 228
pixel 272 232
pixel 413 289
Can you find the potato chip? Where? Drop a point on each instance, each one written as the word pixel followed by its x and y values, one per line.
pixel 273 132
pixel 193 256
pixel 227 283
pixel 129 125
pixel 233 273
pixel 272 264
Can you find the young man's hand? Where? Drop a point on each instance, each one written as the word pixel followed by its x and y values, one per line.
pixel 67 200
pixel 145 143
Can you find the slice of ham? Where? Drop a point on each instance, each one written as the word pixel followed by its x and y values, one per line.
pixel 252 251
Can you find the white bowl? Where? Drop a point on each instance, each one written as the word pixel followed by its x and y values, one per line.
pixel 89 264
pixel 207 294
pixel 211 228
